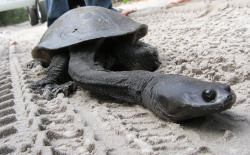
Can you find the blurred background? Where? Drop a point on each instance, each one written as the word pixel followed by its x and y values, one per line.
pixel 13 16
pixel 17 11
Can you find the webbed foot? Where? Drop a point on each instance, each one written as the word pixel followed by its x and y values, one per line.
pixel 177 98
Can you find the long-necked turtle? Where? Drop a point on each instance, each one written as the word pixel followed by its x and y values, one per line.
pixel 99 50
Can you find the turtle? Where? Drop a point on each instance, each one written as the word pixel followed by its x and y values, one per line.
pixel 99 50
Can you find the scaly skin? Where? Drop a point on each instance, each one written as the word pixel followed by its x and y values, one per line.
pixel 171 97
pixel 56 79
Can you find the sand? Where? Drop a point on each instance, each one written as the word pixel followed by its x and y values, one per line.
pixel 208 40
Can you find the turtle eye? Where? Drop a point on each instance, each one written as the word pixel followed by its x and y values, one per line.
pixel 208 95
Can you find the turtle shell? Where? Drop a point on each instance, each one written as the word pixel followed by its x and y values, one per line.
pixel 84 24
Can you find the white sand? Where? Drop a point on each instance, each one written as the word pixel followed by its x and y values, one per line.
pixel 208 40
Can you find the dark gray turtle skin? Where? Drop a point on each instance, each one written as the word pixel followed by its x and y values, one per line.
pixel 99 50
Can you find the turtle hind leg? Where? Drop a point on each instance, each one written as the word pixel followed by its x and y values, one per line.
pixel 56 76
pixel 140 56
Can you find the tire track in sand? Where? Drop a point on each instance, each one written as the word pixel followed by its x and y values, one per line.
pixel 39 126
pixel 42 127
pixel 7 110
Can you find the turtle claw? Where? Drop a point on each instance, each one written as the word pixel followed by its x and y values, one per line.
pixel 37 87
pixel 33 64
pixel 51 91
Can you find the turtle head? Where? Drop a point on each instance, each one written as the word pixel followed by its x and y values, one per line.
pixel 177 98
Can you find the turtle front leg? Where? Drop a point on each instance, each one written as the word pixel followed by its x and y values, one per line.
pixel 56 79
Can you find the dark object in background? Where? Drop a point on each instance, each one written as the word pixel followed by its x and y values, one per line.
pixel 41 11
pixel 76 3
pixel 37 13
